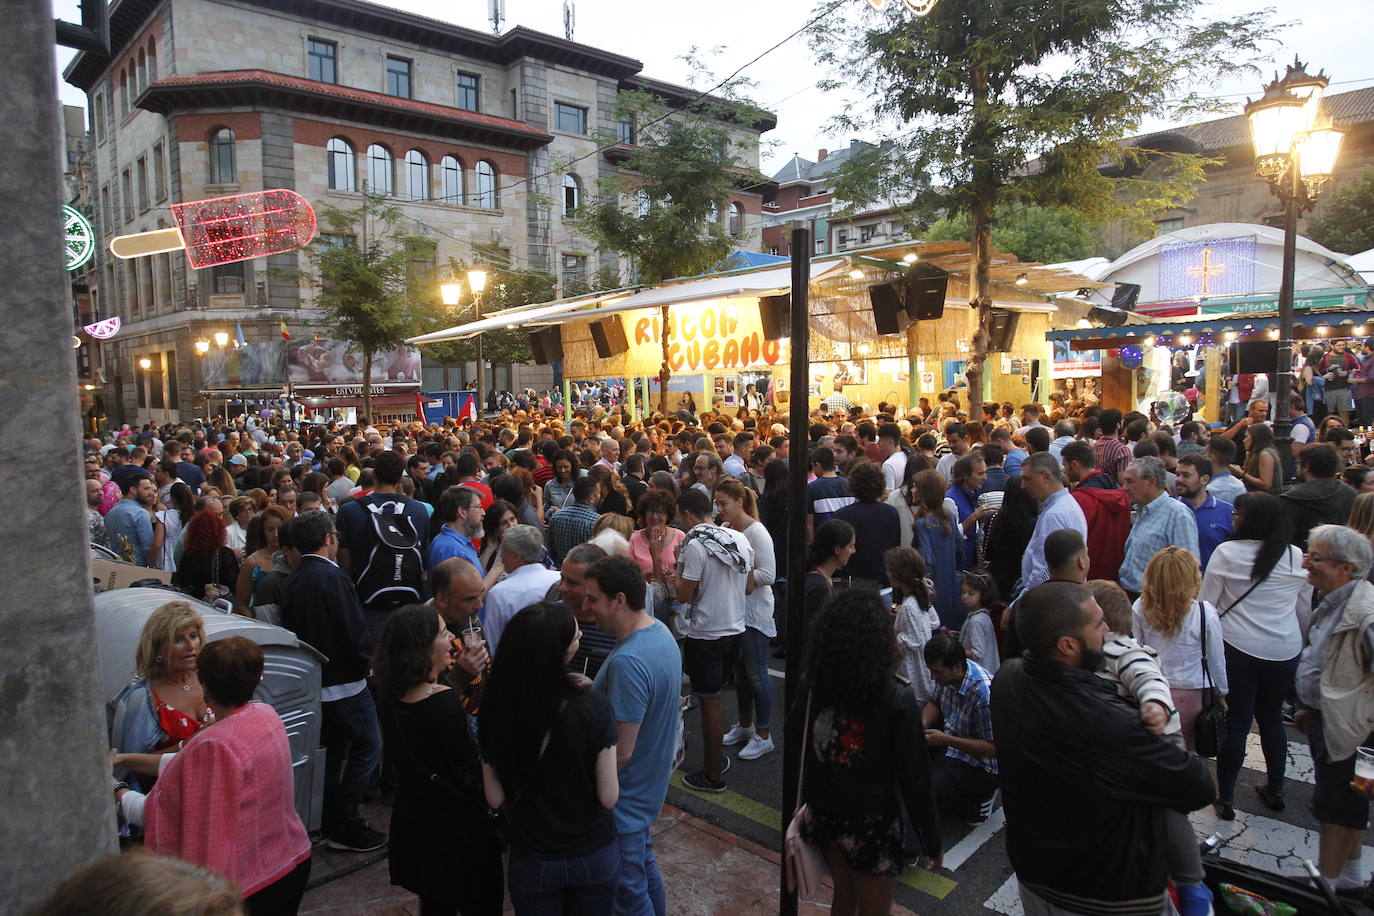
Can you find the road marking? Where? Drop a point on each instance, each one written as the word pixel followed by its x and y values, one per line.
pixel 1299 767
pixel 1252 839
pixel 782 676
pixel 928 882
pixel 965 848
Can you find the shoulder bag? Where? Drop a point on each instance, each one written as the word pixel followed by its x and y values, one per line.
pixel 805 863
pixel 1209 729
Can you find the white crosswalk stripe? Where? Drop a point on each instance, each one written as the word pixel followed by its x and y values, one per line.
pixel 1299 766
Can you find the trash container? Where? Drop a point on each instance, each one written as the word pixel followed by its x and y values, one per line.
pixel 290 680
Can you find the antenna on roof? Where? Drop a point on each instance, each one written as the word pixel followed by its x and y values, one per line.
pixel 569 19
pixel 496 12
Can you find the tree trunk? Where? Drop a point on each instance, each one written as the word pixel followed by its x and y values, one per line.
pixel 664 372
pixel 980 148
pixel 367 387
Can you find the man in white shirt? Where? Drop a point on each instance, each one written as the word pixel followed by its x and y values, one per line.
pixel 713 572
pixel 1040 478
pixel 526 582
pixel 894 459
pixel 956 436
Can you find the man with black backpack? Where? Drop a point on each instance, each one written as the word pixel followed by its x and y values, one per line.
pixel 383 539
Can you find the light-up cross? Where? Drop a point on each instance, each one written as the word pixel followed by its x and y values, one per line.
pixel 1207 271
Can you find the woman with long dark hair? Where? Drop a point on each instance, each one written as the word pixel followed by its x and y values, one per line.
pixel 1256 582
pixel 440 817
pixel 831 548
pixel 906 498
pixel 937 536
pixel 181 505
pixel 208 568
pixel 1009 533
pixel 1261 471
pixel 864 753
pixel 548 760
pixel 558 490
pixel 499 516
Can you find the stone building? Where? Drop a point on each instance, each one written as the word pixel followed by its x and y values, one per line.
pixel 479 139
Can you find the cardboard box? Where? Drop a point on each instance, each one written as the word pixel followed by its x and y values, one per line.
pixel 108 574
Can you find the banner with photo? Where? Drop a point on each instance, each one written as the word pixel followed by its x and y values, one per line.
pixel 255 365
pixel 325 361
pixel 1069 363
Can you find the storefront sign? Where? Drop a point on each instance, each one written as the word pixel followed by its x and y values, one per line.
pixel 1356 297
pixel 355 391
pixel 713 336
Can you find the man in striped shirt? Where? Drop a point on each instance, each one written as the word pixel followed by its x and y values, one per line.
pixel 837 402
pixel 827 494
pixel 1111 453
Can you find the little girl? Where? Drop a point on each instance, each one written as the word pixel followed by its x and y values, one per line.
pixel 978 635
pixel 916 617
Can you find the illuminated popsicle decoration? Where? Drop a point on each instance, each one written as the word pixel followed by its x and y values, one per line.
pixel 227 229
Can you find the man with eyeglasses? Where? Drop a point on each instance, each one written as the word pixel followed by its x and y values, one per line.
pixel 1335 688
pixel 461 510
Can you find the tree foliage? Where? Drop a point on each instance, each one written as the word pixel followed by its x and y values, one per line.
pixel 1050 235
pixel 992 103
pixel 368 291
pixel 667 211
pixel 1344 219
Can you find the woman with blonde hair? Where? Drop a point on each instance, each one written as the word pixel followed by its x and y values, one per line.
pixel 1170 619
pixel 1362 515
pixel 164 704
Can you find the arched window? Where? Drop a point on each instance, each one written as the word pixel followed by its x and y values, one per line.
pixel 379 170
pixel 486 186
pixel 342 169
pixel 451 174
pixel 417 175
pixel 714 214
pixel 643 203
pixel 152 61
pixel 141 72
pixel 123 92
pixel 736 220
pixel 572 195
pixel 222 170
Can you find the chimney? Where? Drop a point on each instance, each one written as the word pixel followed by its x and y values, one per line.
pixel 822 154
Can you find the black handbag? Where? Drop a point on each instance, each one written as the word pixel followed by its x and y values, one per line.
pixel 1209 729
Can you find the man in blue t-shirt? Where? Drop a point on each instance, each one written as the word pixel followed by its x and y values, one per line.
pixel 461 511
pixel 642 678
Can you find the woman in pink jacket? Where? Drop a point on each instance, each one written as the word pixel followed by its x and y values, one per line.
pixel 225 800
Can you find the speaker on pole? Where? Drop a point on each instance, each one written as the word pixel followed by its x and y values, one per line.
pixel 774 312
pixel 889 307
pixel 547 345
pixel 927 286
pixel 1003 330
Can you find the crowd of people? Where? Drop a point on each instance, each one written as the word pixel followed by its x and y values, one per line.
pixel 1015 606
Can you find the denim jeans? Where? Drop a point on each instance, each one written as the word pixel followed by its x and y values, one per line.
pixel 639 890
pixel 753 689
pixel 353 747
pixel 1258 687
pixel 550 887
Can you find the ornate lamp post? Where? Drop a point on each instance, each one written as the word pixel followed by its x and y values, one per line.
pixel 477 281
pixel 1295 151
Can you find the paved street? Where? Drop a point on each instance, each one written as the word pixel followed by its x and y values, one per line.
pixel 976 876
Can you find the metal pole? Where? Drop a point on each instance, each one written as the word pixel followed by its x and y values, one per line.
pixel 567 400
pixel 1283 423
pixel 796 534
pixel 481 369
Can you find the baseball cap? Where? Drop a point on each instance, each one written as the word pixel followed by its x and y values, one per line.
pixel 239 460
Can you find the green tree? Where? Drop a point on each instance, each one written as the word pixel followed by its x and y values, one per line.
pixel 1344 220
pixel 1050 235
pixel 369 292
pixel 991 103
pixel 665 213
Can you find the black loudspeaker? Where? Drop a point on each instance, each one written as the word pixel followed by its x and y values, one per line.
pixel 609 336
pixel 1003 330
pixel 1125 295
pixel 927 286
pixel 889 307
pixel 547 345
pixel 775 314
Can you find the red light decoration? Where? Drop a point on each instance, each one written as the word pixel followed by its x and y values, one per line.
pixel 223 230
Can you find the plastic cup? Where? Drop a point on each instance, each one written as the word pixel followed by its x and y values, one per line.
pixel 1364 767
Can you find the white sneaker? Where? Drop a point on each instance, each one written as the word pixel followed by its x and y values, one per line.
pixel 756 748
pixel 737 735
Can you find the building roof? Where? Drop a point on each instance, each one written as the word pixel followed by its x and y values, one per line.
pixel 226 87
pixel 799 169
pixel 1345 109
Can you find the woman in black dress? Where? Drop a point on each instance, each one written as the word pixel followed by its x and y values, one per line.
pixel 444 846
pixel 548 760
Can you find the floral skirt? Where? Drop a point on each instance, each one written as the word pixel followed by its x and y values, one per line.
pixel 871 843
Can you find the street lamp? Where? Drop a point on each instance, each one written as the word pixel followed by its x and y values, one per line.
pixel 451 292
pixel 145 363
pixel 1295 152
pixel 221 339
pixel 477 282
pixel 202 346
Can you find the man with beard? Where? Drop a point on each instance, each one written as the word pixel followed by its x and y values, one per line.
pixel 1213 516
pixel 1085 785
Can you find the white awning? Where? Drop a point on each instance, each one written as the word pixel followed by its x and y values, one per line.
pixel 523 314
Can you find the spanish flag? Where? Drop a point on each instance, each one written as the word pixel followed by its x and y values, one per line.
pixel 285 334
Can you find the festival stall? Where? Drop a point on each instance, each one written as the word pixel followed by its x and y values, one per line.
pixel 889 324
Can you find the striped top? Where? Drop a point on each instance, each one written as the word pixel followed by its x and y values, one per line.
pixel 1135 671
